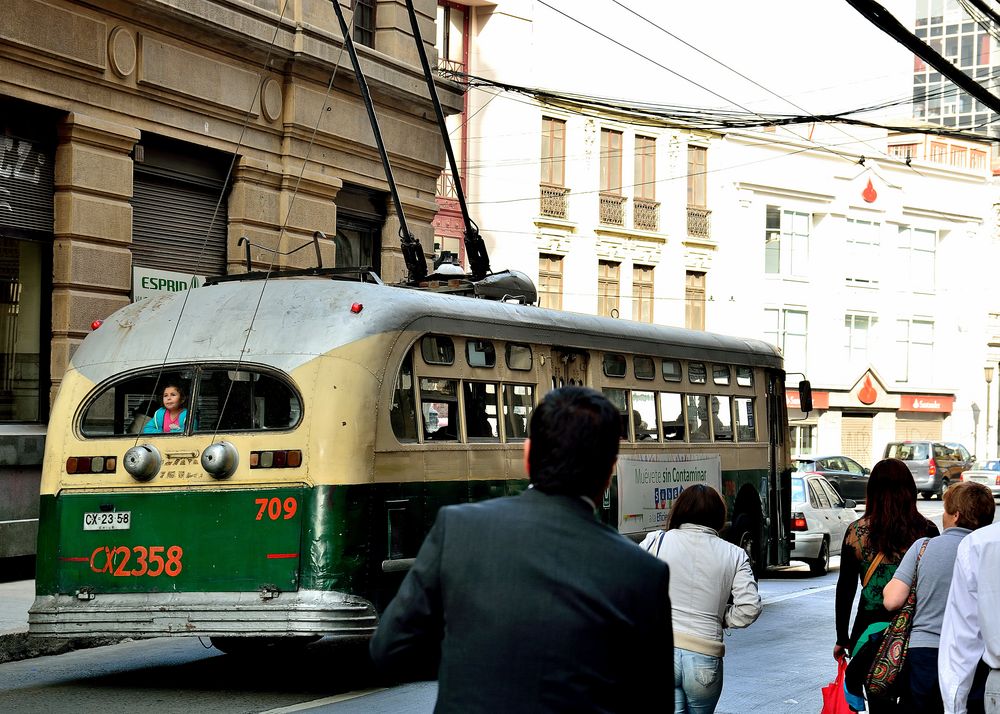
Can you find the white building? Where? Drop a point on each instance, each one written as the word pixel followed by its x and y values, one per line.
pixel 864 256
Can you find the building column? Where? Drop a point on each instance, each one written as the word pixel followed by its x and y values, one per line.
pixel 91 256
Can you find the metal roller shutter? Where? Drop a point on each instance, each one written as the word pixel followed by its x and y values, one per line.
pixel 919 427
pixel 856 438
pixel 25 184
pixel 170 226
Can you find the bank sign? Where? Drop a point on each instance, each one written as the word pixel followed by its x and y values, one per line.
pixel 147 283
pixel 648 484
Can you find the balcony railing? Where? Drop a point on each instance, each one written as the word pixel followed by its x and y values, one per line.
pixel 699 222
pixel 612 209
pixel 553 200
pixel 446 185
pixel 646 214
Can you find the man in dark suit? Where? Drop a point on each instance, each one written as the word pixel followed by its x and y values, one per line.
pixel 528 603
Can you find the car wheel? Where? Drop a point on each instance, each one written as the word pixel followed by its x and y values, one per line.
pixel 926 495
pixel 942 488
pixel 821 564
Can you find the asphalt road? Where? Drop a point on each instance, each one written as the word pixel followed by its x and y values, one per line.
pixel 777 665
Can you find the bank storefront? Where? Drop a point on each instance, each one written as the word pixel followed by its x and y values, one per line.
pixel 859 422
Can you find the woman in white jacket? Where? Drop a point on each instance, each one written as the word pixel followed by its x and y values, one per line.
pixel 705 571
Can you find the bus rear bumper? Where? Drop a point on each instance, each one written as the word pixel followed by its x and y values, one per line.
pixel 267 614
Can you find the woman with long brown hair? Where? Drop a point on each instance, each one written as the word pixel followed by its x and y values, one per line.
pixel 873 547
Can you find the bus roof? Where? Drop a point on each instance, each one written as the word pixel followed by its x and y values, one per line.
pixel 295 320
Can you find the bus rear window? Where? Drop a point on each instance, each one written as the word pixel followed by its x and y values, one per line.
pixel 204 399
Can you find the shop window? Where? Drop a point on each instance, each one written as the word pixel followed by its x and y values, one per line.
pixel 518 402
pixel 24 287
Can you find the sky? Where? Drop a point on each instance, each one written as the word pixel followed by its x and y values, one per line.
pixel 817 56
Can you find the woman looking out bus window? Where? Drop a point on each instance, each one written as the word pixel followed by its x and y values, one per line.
pixel 172 416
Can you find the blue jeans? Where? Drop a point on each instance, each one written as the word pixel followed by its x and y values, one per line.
pixel 697 682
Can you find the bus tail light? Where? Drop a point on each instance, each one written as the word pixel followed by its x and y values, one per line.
pixel 285 459
pixel 799 521
pixel 143 462
pixel 91 464
pixel 220 460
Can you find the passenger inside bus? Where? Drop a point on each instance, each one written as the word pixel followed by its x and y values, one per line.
pixel 141 416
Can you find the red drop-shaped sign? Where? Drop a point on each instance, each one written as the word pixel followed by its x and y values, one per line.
pixel 869 194
pixel 867 395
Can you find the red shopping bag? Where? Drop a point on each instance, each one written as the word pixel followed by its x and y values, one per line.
pixel 834 701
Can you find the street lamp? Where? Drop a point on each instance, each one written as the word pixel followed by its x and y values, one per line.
pixel 988 373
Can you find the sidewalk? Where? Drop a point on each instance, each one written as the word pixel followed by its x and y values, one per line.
pixel 15 642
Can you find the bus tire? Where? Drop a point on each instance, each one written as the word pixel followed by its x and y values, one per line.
pixel 253 646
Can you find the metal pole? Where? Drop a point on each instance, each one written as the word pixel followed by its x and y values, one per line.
pixel 989 388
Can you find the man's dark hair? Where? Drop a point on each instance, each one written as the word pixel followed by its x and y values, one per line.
pixel 699 504
pixel 574 442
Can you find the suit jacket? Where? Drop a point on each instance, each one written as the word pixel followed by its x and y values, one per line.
pixel 529 604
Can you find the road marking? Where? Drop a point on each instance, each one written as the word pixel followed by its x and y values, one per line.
pixel 801 593
pixel 304 706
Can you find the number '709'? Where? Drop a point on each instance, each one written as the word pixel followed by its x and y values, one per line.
pixel 275 508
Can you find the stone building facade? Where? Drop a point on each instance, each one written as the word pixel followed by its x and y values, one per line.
pixel 142 140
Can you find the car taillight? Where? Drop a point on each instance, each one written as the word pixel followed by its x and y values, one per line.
pixel 998 480
pixel 931 468
pixel 799 521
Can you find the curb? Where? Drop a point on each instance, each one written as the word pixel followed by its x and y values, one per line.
pixel 20 645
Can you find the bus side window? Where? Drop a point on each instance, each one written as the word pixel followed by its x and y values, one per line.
pixel 745 430
pixel 403 411
pixel 439 406
pixel 697 415
pixel 481 411
pixel 619 397
pixel 518 401
pixel 722 419
pixel 644 416
pixel 673 426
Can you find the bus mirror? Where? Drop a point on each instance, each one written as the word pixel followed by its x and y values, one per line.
pixel 805 396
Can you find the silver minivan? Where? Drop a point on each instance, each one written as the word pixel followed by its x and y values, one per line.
pixel 935 465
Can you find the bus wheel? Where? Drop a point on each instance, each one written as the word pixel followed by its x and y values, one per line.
pixel 253 646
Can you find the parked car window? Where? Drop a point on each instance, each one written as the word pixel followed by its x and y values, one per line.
pixel 798 491
pixel 835 498
pixel 854 467
pixel 821 498
pixel 963 453
pixel 942 452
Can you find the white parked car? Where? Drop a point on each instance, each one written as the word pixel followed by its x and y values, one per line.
pixel 986 473
pixel 820 516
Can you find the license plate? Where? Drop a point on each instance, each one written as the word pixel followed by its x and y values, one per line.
pixel 109 521
pixel 978 479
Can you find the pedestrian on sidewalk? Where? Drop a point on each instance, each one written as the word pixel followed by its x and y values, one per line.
pixel 712 587
pixel 967 507
pixel 873 548
pixel 969 653
pixel 529 603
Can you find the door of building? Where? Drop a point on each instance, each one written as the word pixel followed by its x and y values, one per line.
pixel 856 437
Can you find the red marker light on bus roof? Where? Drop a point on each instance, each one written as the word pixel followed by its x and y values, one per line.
pixel 357 307
pixel 95 324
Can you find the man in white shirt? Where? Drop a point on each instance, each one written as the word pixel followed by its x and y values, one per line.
pixel 971 628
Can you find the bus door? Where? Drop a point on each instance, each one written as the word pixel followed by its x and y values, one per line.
pixel 569 368
pixel 780 475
